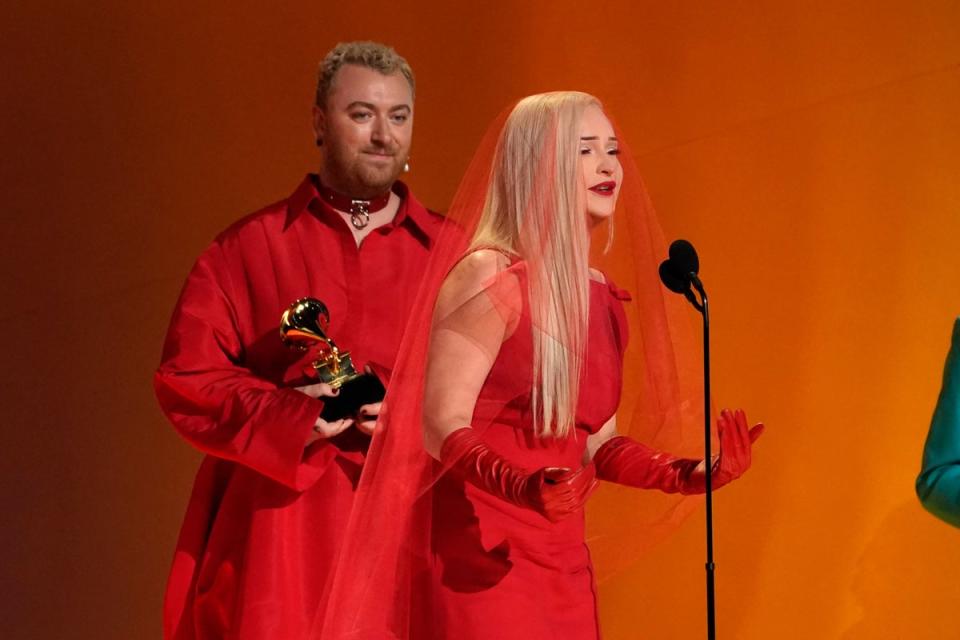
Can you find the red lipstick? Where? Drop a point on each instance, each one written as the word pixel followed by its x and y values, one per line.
pixel 604 188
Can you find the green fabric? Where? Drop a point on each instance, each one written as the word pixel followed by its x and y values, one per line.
pixel 938 484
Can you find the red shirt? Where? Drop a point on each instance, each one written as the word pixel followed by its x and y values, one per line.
pixel 264 522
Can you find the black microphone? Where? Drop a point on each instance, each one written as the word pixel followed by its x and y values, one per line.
pixel 680 274
pixel 679 271
pixel 684 256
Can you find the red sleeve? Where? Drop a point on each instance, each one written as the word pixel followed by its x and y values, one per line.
pixel 220 406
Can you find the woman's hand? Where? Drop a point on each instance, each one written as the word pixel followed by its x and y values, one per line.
pixel 624 461
pixel 553 492
pixel 557 492
pixel 736 446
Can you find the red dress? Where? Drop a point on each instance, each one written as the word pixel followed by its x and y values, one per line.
pixel 502 571
pixel 267 516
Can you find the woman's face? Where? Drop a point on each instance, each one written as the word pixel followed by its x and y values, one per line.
pixel 599 164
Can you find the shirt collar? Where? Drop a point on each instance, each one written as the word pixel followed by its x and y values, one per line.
pixel 414 214
pixel 300 199
pixel 411 212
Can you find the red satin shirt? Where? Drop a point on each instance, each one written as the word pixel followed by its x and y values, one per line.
pixel 266 515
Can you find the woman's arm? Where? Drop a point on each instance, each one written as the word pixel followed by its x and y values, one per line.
pixel 475 312
pixel 624 461
pixel 468 330
pixel 595 441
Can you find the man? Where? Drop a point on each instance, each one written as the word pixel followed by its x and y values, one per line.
pixel 938 484
pixel 274 491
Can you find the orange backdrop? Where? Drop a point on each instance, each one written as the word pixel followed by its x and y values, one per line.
pixel 811 151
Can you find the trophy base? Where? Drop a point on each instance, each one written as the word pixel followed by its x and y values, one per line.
pixel 364 389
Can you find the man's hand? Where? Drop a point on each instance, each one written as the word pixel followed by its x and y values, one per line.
pixel 367 414
pixel 367 417
pixel 322 428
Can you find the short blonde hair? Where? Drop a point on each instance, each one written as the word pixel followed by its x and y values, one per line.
pixel 372 55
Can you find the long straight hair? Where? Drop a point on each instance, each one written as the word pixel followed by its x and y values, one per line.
pixel 535 207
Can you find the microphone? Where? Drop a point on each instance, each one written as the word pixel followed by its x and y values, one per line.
pixel 679 271
pixel 684 256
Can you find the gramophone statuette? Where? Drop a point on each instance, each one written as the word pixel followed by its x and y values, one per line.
pixel 303 326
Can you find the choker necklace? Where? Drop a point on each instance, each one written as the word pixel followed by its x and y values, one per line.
pixel 359 210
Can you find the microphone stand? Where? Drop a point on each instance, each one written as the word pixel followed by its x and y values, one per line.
pixel 703 307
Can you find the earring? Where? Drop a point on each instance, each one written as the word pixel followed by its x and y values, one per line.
pixel 406 166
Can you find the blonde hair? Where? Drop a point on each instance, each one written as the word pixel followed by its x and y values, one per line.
pixel 371 55
pixel 535 208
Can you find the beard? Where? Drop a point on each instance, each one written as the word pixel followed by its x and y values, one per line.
pixel 357 176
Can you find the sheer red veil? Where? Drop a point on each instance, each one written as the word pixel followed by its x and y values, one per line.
pixel 381 588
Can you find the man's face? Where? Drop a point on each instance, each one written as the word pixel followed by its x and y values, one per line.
pixel 366 129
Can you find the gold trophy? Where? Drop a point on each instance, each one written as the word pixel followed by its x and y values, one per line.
pixel 302 327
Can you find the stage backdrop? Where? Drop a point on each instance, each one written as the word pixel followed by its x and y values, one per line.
pixel 810 150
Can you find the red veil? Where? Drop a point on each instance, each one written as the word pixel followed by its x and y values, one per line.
pixel 380 588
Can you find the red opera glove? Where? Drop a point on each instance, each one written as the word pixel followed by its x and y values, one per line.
pixel 627 462
pixel 553 492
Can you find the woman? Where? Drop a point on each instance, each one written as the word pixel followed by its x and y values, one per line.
pixel 517 379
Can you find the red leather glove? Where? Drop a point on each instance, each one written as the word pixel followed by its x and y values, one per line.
pixel 627 462
pixel 554 492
